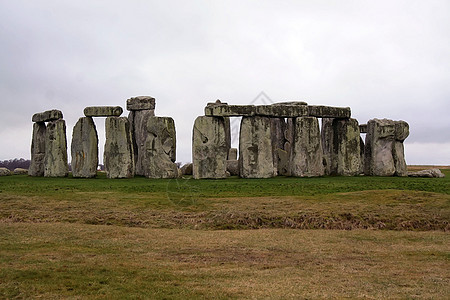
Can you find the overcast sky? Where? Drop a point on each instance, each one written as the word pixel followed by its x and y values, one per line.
pixel 384 59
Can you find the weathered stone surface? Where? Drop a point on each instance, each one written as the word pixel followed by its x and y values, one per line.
pixel 37 150
pixel 139 122
pixel 233 167
pixel 209 147
pixel 283 162
pixel 186 169
pixel 20 171
pixel 255 148
pixel 431 173
pixel 160 148
pixel 103 111
pixel 46 116
pixel 141 103
pixel 320 111
pixel 363 128
pixel 232 154
pixel 5 172
pixel 277 130
pixel 383 153
pixel 291 103
pixel 84 148
pixel 341 146
pixel 118 156
pixel 282 111
pixel 55 160
pixel 307 154
pixel 224 110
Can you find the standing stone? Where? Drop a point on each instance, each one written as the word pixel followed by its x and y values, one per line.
pixel 55 160
pixel 255 148
pixel 160 148
pixel 210 147
pixel 341 146
pixel 232 154
pixel 84 148
pixel 278 128
pixel 138 121
pixel 37 150
pixel 307 153
pixel 384 153
pixel 118 156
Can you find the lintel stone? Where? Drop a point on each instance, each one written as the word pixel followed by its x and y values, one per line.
pixel 223 110
pixel 363 128
pixel 320 111
pixel 141 103
pixel 103 111
pixel 282 111
pixel 47 116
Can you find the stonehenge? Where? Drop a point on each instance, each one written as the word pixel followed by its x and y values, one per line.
pixel 282 139
pixel 285 139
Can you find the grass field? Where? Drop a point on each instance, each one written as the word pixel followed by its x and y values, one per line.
pixel 185 238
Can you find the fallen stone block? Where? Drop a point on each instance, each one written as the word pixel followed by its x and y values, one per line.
pixel 20 171
pixel 430 173
pixel 141 103
pixel 320 111
pixel 47 116
pixel 5 172
pixel 103 111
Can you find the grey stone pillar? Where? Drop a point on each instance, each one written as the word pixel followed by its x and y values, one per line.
pixel 307 153
pixel 84 148
pixel 37 150
pixel 384 153
pixel 341 146
pixel 255 148
pixel 138 121
pixel 55 161
pixel 160 149
pixel 210 146
pixel 118 156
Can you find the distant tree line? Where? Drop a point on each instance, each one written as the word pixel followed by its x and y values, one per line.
pixel 11 164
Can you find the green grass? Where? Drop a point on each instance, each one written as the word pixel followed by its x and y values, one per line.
pixel 165 239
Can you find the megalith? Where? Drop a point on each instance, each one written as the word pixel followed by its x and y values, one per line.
pixel 158 160
pixel 384 152
pixel 341 146
pixel 37 150
pixel 255 148
pixel 141 109
pixel 118 156
pixel 306 151
pixel 278 129
pixel 55 159
pixel 210 146
pixel 84 148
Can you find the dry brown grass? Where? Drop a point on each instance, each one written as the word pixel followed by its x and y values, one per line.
pixel 66 260
pixel 382 209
